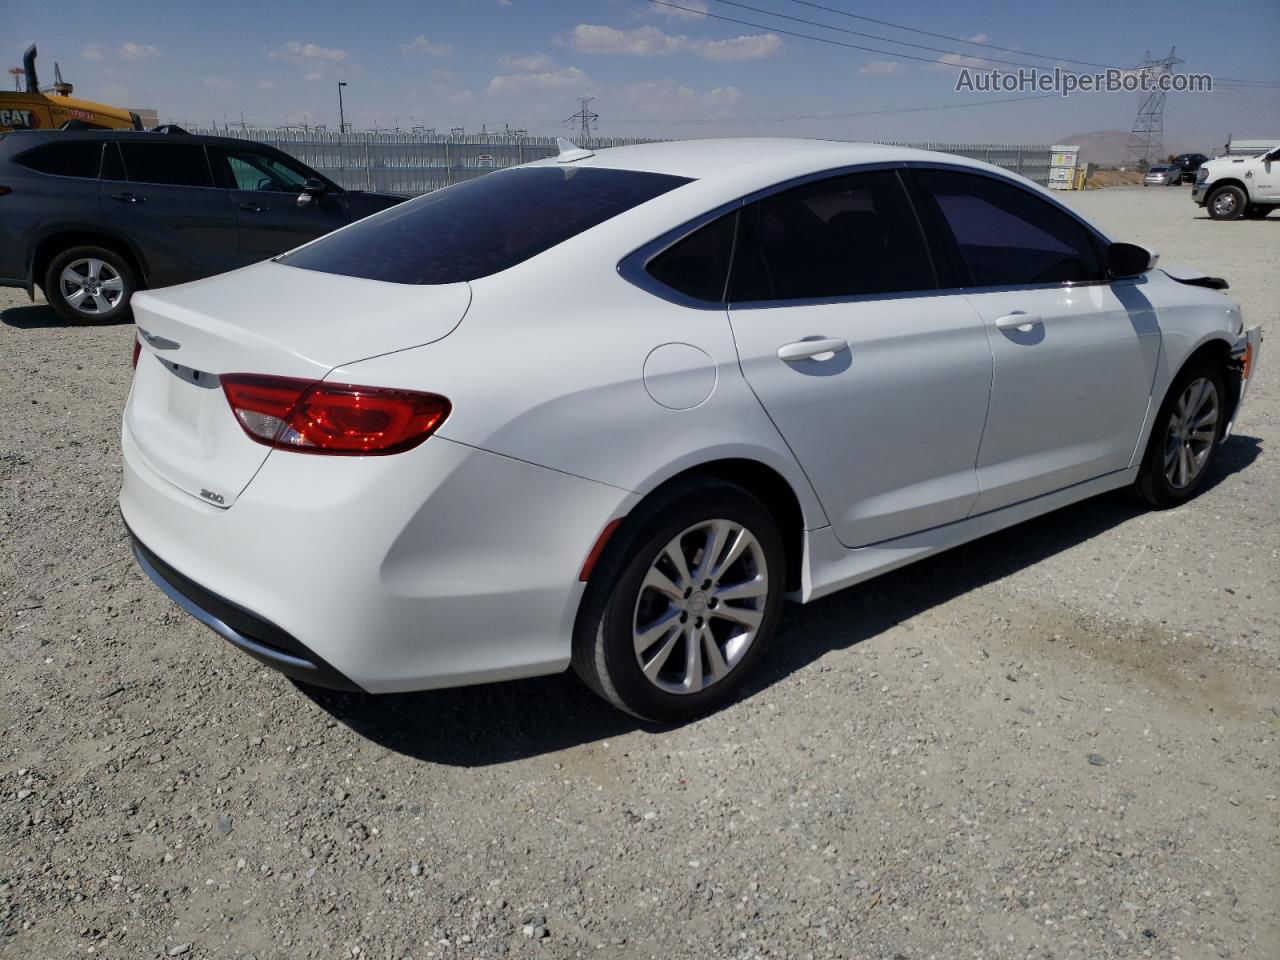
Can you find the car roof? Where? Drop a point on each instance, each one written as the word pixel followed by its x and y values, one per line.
pixel 29 138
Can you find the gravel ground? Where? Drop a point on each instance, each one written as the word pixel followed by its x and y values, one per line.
pixel 1059 741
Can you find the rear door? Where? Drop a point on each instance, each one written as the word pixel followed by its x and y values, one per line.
pixel 161 195
pixel 273 213
pixel 1075 355
pixel 876 379
pixel 57 190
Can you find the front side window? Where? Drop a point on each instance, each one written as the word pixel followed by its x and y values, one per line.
pixel 171 164
pixel 482 226
pixel 853 235
pixel 72 158
pixel 256 170
pixel 1007 236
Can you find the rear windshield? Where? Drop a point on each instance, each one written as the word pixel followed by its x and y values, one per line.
pixel 480 227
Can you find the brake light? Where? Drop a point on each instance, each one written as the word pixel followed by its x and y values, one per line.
pixel 137 350
pixel 341 418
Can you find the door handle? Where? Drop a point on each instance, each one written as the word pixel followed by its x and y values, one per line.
pixel 812 349
pixel 253 207
pixel 1022 322
pixel 127 197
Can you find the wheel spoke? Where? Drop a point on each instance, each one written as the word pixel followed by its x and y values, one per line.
pixel 757 586
pixel 75 298
pixel 693 660
pixel 741 615
pixel 101 303
pixel 1203 436
pixel 717 535
pixel 675 553
pixel 655 579
pixel 715 659
pixel 659 660
pixel 741 542
pixel 1184 465
pixel 95 268
pixel 114 285
pixel 651 634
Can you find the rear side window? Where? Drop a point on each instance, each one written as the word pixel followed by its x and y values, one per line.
pixel 1007 236
pixel 698 265
pixel 72 158
pixel 172 164
pixel 853 235
pixel 480 227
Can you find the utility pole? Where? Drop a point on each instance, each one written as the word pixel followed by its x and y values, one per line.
pixel 1146 141
pixel 585 117
pixel 342 119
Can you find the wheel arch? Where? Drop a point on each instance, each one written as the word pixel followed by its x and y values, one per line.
pixel 1227 182
pixel 48 247
pixel 1216 351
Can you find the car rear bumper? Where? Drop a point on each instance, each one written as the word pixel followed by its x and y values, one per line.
pixel 442 566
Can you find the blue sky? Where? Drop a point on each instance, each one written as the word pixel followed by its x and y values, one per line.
pixel 654 71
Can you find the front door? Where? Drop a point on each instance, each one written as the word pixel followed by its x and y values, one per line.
pixel 877 382
pixel 266 190
pixel 1075 355
pixel 161 195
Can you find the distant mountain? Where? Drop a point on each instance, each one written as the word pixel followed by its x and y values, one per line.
pixel 1108 146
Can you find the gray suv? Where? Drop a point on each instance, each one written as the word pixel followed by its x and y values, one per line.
pixel 91 216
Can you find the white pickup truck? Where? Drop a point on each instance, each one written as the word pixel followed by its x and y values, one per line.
pixel 1235 187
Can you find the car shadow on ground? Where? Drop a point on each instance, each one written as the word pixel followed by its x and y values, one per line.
pixel 502 722
pixel 41 316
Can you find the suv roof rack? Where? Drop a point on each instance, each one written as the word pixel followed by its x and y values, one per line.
pixel 171 128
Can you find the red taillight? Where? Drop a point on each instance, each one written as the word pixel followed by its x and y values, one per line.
pixel 137 350
pixel 316 417
pixel 5 191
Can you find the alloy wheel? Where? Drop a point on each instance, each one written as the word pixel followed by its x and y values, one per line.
pixel 1224 203
pixel 1193 428
pixel 700 606
pixel 91 286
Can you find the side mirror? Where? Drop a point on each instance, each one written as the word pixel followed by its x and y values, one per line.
pixel 1130 260
pixel 312 189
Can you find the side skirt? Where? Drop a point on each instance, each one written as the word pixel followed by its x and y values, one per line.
pixel 830 566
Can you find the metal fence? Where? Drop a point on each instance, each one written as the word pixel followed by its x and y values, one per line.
pixel 411 164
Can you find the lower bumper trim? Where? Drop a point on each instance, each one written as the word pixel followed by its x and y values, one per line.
pixel 259 638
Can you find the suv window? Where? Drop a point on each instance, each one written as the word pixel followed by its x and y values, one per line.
pixel 259 170
pixel 698 265
pixel 482 226
pixel 853 235
pixel 72 158
pixel 174 164
pixel 1007 236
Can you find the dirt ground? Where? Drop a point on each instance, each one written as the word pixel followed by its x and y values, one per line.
pixel 1057 742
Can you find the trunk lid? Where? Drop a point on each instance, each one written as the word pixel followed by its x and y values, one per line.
pixel 269 319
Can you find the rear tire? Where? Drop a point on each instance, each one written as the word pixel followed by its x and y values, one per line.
pixel 1257 212
pixel 667 632
pixel 90 285
pixel 1227 203
pixel 1184 438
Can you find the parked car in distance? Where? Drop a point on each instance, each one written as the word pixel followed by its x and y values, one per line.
pixel 1235 187
pixel 1189 163
pixel 93 216
pixel 1163 175
pixel 608 409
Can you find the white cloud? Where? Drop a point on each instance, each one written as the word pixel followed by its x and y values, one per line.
pixel 93 51
pixel 881 68
pixel 569 77
pixel 753 47
pixel 526 63
pixel 314 75
pixel 137 51
pixel 649 41
pixel 460 96
pixel 669 98
pixel 296 52
pixel 952 61
pixel 421 44
pixel 218 83
pixel 266 85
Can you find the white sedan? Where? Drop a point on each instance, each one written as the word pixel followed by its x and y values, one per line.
pixel 610 410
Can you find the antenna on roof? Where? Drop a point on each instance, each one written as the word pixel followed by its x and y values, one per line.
pixel 570 151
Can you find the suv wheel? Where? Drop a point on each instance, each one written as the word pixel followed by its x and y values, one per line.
pixel 1227 203
pixel 90 285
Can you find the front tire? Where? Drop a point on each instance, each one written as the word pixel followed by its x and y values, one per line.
pixel 1184 438
pixel 683 603
pixel 1227 203
pixel 90 285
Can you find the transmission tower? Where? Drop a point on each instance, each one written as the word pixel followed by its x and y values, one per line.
pixel 584 118
pixel 1146 142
